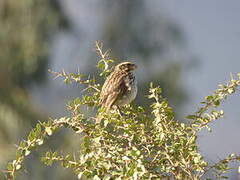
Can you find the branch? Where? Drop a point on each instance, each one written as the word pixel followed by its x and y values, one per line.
pixel 222 165
pixel 202 117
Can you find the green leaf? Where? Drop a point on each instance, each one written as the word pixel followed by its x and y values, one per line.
pixel 209 98
pixel 54 155
pixel 23 144
pixel 217 102
pixel 10 167
pixel 192 117
pixel 101 65
pixel 38 128
pixel 31 135
pixel 19 153
pixel 224 177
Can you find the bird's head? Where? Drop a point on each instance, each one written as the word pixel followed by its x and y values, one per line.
pixel 126 66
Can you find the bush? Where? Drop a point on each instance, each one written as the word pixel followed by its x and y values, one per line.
pixel 135 145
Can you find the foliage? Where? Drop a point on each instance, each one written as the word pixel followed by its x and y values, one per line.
pixel 24 39
pixel 134 145
pixel 26 26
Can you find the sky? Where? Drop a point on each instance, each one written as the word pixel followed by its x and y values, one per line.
pixel 212 32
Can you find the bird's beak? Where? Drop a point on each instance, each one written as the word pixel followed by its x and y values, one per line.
pixel 135 66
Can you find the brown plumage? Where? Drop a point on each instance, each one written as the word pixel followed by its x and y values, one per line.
pixel 120 87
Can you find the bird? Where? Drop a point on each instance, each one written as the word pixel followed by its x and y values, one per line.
pixel 120 87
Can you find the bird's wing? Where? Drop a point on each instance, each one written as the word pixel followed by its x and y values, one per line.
pixel 113 88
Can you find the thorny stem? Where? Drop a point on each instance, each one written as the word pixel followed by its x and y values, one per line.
pixel 75 79
pixel 99 47
pixel 104 55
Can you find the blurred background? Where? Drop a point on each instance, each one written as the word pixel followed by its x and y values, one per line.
pixel 187 47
